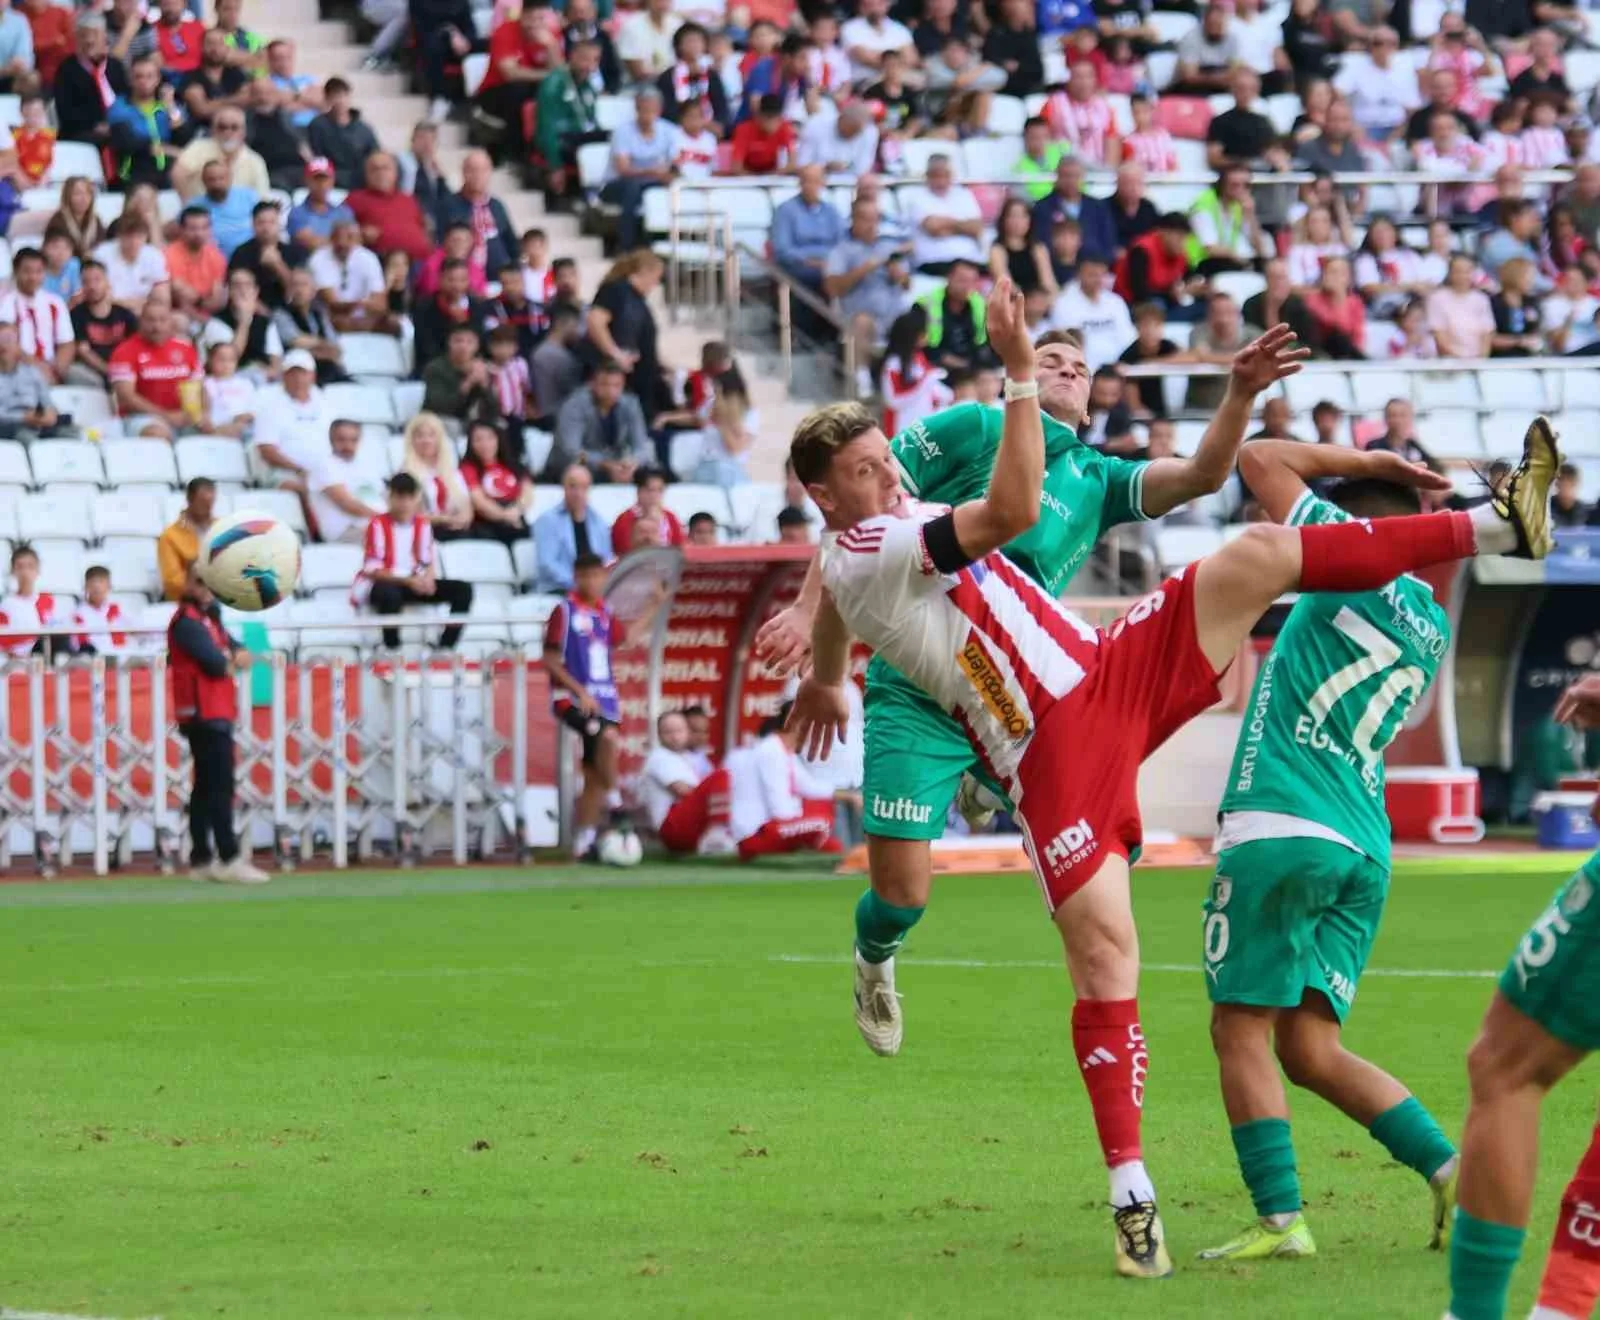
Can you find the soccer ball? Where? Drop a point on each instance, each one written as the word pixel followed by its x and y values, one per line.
pixel 620 848
pixel 251 561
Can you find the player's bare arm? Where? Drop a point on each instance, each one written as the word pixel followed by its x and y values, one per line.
pixel 820 714
pixel 1279 471
pixel 1579 705
pixel 1171 482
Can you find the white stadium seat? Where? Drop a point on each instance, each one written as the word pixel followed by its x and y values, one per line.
pixel 1452 433
pixel 46 514
pixel 1178 546
pixel 1517 391
pixel 372 355
pixel 1007 115
pixel 1373 389
pixel 524 560
pixel 327 610
pixel 1310 388
pixel 1440 389
pixel 530 614
pixel 1581 389
pixel 1237 284
pixel 754 509
pixel 132 561
pixel 473 71
pixel 284 505
pixel 86 407
pixel 610 501
pixel 536 447
pixel 329 566
pixel 683 455
pixel 11 498
pixel 687 499
pixel 61 566
pixel 1580 434
pixel 407 399
pixel 70 158
pixel 217 457
pixel 65 462
pixel 125 513
pixel 477 562
pixel 14 469
pixel 138 461
pixel 360 403
pixel 611 112
pixel 593 157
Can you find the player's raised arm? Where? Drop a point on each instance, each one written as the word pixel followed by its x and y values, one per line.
pixel 1170 482
pixel 1279 471
pixel 1011 504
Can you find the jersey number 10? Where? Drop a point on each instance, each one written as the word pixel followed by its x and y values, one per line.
pixel 1380 655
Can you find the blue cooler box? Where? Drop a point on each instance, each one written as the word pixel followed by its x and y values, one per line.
pixel 1563 820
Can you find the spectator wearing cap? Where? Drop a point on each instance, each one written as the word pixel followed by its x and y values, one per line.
pixel 248 327
pixel 448 306
pixel 581 27
pixel 642 152
pixel 568 116
pixel 311 222
pixel 601 427
pixel 88 84
pixel 570 529
pixel 644 41
pixel 147 127
pixel 805 230
pixel 289 421
pixel 523 51
pixel 765 143
pixel 153 372
pixel 457 382
pixel 846 143
pixel 178 546
pixel 650 487
pixel 226 143
pixel 268 255
pixel 1067 200
pixel 340 136
pixel 494 240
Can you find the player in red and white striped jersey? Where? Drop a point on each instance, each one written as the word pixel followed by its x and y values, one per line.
pixel 1081 116
pixel 1061 715
pixel 98 618
pixel 25 607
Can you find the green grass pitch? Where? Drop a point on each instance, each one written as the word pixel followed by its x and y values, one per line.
pixel 552 1093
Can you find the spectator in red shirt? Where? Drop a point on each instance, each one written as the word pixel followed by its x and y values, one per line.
pixel 521 52
pixel 148 371
pixel 500 487
pixel 180 39
pixel 650 487
pixel 52 37
pixel 764 143
pixel 1338 316
pixel 390 220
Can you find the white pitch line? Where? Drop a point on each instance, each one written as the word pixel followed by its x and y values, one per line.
pixel 1187 969
pixel 6 1313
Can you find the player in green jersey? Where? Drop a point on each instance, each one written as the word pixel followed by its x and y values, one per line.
pixel 1303 861
pixel 916 755
pixel 1543 1020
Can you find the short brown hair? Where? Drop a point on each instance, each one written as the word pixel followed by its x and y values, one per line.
pixel 823 434
pixel 1071 338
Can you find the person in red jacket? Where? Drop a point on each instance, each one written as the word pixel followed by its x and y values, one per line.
pixel 205 704
pixel 1155 268
pixel 764 143
pixel 650 486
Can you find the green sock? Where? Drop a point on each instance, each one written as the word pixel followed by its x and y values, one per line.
pixel 1482 1257
pixel 881 927
pixel 1266 1158
pixel 1409 1133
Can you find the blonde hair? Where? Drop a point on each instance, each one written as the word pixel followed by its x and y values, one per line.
pixel 823 434
pixel 445 466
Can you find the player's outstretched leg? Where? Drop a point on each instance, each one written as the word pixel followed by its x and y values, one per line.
pixel 892 905
pixel 1571 1284
pixel 1102 948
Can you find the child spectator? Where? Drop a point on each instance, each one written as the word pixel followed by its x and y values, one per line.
pixel 508 370
pixel 650 485
pixel 26 606
pixel 500 487
pixel 63 272
pixel 696 153
pixel 1544 145
pixel 398 565
pixel 1411 337
pixel 457 245
pixel 912 388
pixel 35 142
pixel 514 310
pixel 715 358
pixel 397 283
pixel 1124 72
pixel 538 275
pixel 1149 143
pixel 702 529
pixel 229 399
pixel 98 616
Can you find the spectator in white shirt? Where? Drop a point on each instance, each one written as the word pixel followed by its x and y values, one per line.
pixel 1382 91
pixel 867 36
pixel 697 144
pixel 687 800
pixel 1089 306
pixel 133 265
pixel 644 41
pixel 778 806
pixel 1258 42
pixel 946 222
pixel 349 279
pixel 1569 315
pixel 289 422
pixel 846 143
pixel 228 399
pixel 346 485
pixel 1318 243
pixel 44 325
pixel 1083 119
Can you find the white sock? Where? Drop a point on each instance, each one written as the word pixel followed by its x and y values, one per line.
pixel 1441 1175
pixel 1131 1182
pixel 872 971
pixel 584 841
pixel 1545 1313
pixel 1494 534
pixel 1280 1221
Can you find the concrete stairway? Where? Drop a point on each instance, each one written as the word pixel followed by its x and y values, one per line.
pixel 328 48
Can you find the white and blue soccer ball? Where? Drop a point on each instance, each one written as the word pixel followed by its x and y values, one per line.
pixel 251 560
pixel 620 848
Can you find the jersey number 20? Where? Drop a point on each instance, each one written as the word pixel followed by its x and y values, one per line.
pixel 1379 656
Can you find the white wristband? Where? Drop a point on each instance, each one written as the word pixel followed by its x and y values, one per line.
pixel 1021 389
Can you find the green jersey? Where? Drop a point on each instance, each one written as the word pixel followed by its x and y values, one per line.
pixel 948 459
pixel 1335 689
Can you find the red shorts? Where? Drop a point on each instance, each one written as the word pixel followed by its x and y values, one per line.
pixel 812 831
pixel 691 815
pixel 1080 776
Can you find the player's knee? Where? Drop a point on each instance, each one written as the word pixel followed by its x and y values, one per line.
pixel 1103 957
pixel 1235 1032
pixel 1307 1063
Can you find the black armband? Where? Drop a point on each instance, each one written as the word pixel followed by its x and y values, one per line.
pixel 940 545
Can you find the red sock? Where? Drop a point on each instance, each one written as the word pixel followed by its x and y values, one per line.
pixel 1571 1283
pixel 1363 556
pixel 1109 1043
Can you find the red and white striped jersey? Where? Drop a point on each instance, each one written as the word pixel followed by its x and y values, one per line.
pixel 1153 148
pixel 21 612
pixel 1544 147
pixel 1088 125
pixel 988 644
pixel 98 626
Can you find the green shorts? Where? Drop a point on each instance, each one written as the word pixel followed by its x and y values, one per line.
pixel 1287 915
pixel 1554 976
pixel 915 757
